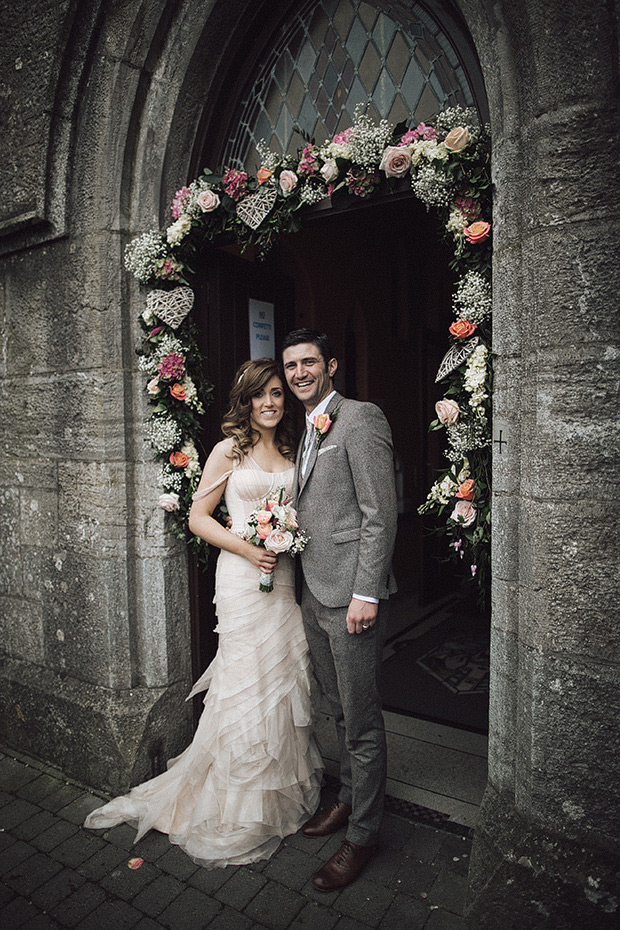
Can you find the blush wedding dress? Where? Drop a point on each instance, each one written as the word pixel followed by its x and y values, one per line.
pixel 252 772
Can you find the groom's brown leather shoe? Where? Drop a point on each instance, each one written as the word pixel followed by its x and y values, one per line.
pixel 328 821
pixel 343 867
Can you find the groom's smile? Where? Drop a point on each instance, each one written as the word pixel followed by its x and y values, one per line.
pixel 307 374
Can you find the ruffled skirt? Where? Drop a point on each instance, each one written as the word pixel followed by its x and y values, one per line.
pixel 252 773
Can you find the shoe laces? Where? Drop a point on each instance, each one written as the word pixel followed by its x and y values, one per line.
pixel 341 856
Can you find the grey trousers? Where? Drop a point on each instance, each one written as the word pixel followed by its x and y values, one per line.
pixel 348 666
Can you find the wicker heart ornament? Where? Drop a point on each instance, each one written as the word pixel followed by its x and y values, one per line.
pixel 455 356
pixel 171 306
pixel 256 207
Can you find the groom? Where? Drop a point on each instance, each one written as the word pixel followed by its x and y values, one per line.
pixel 346 502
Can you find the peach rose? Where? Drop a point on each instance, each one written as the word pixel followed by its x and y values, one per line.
pixel 447 411
pixel 169 502
pixel 279 541
pixel 288 181
pixel 464 513
pixel 322 422
pixel 208 201
pixel 263 531
pixel 329 171
pixel 179 459
pixel 153 386
pixel 461 329
pixel 477 232
pixel 457 139
pixel 263 516
pixel 396 161
pixel 178 391
pixel 466 490
pixel 263 175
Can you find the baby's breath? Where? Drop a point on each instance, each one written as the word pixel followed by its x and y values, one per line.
pixel 164 434
pixel 472 300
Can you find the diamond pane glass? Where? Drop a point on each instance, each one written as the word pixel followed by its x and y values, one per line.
pixel 391 57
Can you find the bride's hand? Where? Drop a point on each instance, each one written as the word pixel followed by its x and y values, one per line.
pixel 264 561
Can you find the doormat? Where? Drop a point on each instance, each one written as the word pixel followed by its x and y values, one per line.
pixel 443 674
pixel 461 664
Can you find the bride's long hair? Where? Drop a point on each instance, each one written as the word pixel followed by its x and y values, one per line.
pixel 251 378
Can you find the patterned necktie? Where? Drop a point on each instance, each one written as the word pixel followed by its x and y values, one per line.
pixel 305 457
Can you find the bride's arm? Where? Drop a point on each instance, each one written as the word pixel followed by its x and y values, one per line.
pixel 202 523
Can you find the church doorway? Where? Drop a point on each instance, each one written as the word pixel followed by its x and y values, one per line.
pixel 376 278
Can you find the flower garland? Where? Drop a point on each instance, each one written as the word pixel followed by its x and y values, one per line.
pixel 449 167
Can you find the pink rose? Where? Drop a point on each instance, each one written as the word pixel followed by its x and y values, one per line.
pixel 279 541
pixel 329 171
pixel 263 531
pixel 263 516
pixel 153 386
pixel 288 181
pixel 396 161
pixel 169 502
pixel 447 411
pixel 477 232
pixel 464 513
pixel 208 201
pixel 457 139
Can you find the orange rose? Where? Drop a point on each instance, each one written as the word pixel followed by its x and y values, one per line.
pixel 322 422
pixel 466 490
pixel 263 175
pixel 477 232
pixel 178 391
pixel 462 329
pixel 179 459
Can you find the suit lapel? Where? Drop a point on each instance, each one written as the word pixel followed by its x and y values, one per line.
pixel 336 399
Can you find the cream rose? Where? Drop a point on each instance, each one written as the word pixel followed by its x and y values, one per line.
pixel 288 181
pixel 396 161
pixel 329 171
pixel 169 502
pixel 447 411
pixel 457 139
pixel 279 541
pixel 153 386
pixel 208 201
pixel 464 513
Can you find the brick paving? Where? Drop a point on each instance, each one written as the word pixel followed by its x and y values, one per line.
pixel 56 875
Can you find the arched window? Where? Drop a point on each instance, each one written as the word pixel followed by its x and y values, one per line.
pixel 393 58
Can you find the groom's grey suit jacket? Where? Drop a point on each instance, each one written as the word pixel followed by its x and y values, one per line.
pixel 346 502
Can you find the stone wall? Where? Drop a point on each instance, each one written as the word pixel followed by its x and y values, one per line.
pixel 546 849
pixel 105 103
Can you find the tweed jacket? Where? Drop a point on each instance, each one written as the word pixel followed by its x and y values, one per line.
pixel 346 502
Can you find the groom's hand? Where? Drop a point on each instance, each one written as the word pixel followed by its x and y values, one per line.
pixel 361 615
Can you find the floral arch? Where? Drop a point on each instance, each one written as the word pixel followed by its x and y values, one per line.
pixel 448 167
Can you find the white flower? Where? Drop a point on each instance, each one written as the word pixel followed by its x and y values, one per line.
pixel 475 376
pixel 142 254
pixel 191 452
pixel 432 187
pixel 179 229
pixel 329 171
pixel 164 434
pixel 169 501
pixel 428 150
pixel 472 300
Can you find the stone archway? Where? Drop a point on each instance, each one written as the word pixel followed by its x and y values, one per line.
pixel 547 842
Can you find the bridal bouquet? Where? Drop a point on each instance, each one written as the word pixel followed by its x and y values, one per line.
pixel 273 524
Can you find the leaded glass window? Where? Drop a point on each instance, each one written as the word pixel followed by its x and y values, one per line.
pixel 335 54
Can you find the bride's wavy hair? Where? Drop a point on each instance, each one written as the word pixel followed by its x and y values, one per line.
pixel 249 380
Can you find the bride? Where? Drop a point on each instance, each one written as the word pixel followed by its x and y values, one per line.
pixel 252 773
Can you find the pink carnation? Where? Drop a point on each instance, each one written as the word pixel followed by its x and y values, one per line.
pixel 344 137
pixel 172 367
pixel 180 201
pixel 308 163
pixel 235 183
pixel 424 132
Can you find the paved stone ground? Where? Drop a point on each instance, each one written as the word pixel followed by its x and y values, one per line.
pixel 54 874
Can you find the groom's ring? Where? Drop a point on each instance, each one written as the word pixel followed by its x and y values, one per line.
pixel 365 626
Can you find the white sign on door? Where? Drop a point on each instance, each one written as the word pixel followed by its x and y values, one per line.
pixel 262 336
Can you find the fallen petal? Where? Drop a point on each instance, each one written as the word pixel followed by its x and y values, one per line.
pixel 135 863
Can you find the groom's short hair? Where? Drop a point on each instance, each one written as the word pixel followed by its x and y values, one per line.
pixel 319 339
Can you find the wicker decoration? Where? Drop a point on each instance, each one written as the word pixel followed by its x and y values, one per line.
pixel 171 306
pixel 256 207
pixel 455 356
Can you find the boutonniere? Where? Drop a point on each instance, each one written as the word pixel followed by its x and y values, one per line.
pixel 322 423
